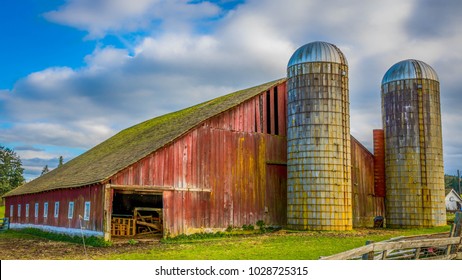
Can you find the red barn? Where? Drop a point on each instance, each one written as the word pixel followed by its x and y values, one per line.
pixel 219 164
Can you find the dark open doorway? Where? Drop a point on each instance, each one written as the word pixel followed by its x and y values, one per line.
pixel 136 214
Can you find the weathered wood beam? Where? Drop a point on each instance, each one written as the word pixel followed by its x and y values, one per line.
pixel 396 245
pixel 150 225
pixel 381 246
pixel 153 188
pixel 107 213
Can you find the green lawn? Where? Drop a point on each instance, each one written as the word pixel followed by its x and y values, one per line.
pixel 276 246
pixel 280 245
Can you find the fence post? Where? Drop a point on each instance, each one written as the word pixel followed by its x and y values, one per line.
pixel 458 224
pixel 456 231
pixel 370 255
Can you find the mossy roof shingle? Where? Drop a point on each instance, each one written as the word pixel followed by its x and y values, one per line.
pixel 132 144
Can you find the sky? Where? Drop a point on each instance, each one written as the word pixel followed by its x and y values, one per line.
pixel 75 72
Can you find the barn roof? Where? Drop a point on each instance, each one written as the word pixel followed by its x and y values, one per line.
pixel 132 144
pixel 454 193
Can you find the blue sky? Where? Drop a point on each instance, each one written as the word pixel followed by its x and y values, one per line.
pixel 75 72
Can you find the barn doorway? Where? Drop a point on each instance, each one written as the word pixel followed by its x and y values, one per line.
pixel 137 214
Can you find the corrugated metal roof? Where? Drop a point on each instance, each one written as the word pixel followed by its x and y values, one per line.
pixel 317 52
pixel 409 69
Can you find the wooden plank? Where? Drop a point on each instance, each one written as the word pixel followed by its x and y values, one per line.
pixel 282 109
pixel 270 104
pixel 394 245
pixel 351 253
pixel 107 212
pixel 155 189
pixel 370 255
pixel 415 243
pixel 264 111
pixel 442 257
pixel 156 227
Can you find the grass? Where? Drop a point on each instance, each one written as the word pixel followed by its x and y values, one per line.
pixel 283 245
pixel 17 234
pixel 31 233
pixel 450 217
pixel 240 244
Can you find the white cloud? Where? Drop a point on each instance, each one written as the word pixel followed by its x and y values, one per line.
pixel 106 59
pixel 83 134
pixel 177 64
pixel 100 17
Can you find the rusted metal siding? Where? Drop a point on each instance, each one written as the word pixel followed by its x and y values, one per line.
pixel 414 156
pixel 79 196
pixel 379 162
pixel 229 171
pixel 367 204
pixel 318 137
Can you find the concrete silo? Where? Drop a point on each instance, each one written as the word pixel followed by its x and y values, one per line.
pixel 318 139
pixel 413 146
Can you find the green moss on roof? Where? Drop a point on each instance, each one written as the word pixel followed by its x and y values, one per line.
pixel 134 143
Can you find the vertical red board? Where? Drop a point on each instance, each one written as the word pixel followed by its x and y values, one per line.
pixel 258 127
pixel 282 116
pixel 272 113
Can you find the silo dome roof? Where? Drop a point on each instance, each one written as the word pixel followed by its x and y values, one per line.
pixel 409 69
pixel 317 52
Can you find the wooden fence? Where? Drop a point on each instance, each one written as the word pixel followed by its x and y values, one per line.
pixel 428 247
pixel 4 224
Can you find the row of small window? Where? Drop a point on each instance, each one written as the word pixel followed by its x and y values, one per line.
pixel 70 211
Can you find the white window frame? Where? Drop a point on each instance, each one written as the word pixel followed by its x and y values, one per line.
pixel 19 210
pixel 56 215
pixel 86 211
pixel 45 209
pixel 70 211
pixel 36 210
pixel 11 211
pixel 27 210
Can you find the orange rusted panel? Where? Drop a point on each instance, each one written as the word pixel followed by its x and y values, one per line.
pixel 379 162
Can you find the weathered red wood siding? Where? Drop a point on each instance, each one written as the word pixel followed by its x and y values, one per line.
pixel 366 203
pixel 233 165
pixel 79 196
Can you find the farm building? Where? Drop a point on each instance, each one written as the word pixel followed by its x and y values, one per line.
pixel 453 201
pixel 224 163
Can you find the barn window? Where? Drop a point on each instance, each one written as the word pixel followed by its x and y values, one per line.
pixel 11 211
pixel 19 210
pixel 36 209
pixel 70 211
pixel 86 213
pixel 27 210
pixel 45 209
pixel 56 209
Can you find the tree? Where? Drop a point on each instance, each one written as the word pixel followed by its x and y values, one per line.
pixel 61 161
pixel 10 170
pixel 45 170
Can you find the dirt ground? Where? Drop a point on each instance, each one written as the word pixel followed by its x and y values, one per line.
pixel 43 249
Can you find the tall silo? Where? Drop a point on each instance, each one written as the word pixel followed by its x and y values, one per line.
pixel 318 139
pixel 413 146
